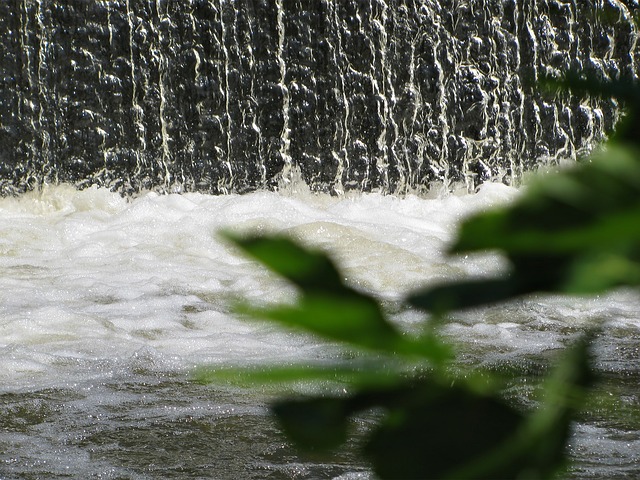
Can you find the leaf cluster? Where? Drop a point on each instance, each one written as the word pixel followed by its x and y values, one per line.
pixel 574 232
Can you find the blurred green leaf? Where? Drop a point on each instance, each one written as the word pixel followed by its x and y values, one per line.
pixel 593 206
pixel 574 232
pixel 530 273
pixel 355 319
pixel 327 306
pixel 310 270
pixel 537 450
pixel 465 294
pixel 372 374
pixel 426 436
pixel 600 271
pixel 314 423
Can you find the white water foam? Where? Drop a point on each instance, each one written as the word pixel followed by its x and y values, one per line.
pixel 91 281
pixel 100 295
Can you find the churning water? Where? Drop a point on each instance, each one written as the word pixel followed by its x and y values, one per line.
pixel 108 303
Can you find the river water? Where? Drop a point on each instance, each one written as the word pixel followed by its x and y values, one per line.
pixel 108 303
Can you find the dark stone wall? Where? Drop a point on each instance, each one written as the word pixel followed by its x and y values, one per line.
pixel 222 95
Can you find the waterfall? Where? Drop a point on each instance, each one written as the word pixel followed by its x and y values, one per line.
pixel 111 296
pixel 231 96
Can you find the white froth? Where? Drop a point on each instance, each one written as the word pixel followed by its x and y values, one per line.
pixel 89 280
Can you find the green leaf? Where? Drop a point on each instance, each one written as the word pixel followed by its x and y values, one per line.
pixel 574 232
pixel 602 271
pixel 427 436
pixel 327 306
pixel 355 319
pixel 537 450
pixel 593 206
pixel 465 294
pixel 373 374
pixel 309 270
pixel 315 423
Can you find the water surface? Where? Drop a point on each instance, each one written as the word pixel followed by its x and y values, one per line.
pixel 107 304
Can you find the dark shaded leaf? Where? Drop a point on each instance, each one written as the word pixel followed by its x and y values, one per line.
pixel 537 450
pixel 466 294
pixel 428 437
pixel 530 273
pixel 315 423
pixel 322 422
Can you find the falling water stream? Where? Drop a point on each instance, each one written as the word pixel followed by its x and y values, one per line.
pixel 357 127
pixel 228 96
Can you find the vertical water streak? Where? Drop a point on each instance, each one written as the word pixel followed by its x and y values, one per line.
pixel 222 96
pixel 341 136
pixel 282 65
pixel 164 23
pixel 44 99
pixel 440 132
pixel 136 109
pixel 409 144
pixel 517 101
pixel 26 105
pixel 224 183
pixel 249 115
pixel 383 89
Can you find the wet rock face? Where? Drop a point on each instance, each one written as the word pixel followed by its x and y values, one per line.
pixel 221 95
